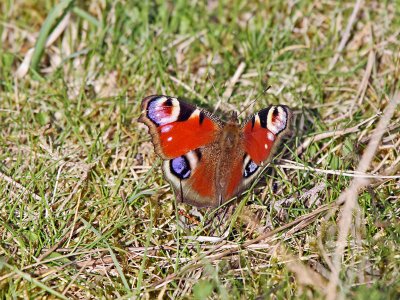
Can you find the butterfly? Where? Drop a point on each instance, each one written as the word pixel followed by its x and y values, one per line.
pixel 208 161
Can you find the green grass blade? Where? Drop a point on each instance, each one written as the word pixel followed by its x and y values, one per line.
pixel 54 15
pixel 34 281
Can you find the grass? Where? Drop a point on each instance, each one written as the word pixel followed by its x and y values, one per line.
pixel 84 209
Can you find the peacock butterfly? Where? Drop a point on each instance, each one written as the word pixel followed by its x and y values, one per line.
pixel 208 161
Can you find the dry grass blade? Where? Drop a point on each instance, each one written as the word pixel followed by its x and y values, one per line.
pixel 36 282
pixel 291 165
pixel 19 186
pixel 346 34
pixel 231 84
pixel 332 134
pixel 187 87
pixel 24 67
pixel 58 244
pixel 46 38
pixel 367 74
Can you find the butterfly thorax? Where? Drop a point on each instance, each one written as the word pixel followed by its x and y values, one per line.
pixel 230 135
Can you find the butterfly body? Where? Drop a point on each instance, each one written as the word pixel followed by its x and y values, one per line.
pixel 208 161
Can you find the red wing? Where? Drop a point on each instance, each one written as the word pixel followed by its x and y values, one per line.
pixel 235 177
pixel 176 126
pixel 263 132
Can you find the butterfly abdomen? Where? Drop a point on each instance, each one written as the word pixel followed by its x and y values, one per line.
pixel 229 163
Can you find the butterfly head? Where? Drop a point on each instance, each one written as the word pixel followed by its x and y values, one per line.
pixel 233 117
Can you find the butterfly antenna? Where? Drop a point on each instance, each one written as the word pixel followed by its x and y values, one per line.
pixel 253 101
pixel 217 105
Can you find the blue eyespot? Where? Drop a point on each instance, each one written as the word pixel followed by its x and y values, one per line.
pixel 180 167
pixel 250 169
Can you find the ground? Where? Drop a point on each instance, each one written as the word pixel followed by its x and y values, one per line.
pixel 85 212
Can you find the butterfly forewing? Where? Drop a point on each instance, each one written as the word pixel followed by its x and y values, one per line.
pixel 176 126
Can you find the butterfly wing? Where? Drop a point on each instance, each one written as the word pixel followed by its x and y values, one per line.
pixel 182 134
pixel 192 178
pixel 262 134
pixel 177 127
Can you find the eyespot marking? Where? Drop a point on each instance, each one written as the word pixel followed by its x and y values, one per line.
pixel 250 169
pixel 180 167
pixel 185 112
pixel 168 102
pixel 162 110
pixel 277 119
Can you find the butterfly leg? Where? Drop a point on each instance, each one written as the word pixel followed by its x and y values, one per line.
pixel 181 189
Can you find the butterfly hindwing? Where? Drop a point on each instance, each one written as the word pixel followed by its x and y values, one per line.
pixel 203 179
pixel 177 127
pixel 191 177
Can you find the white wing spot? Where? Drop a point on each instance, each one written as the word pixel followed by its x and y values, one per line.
pixel 271 136
pixel 166 128
pixel 192 158
pixel 195 113
pixel 169 139
pixel 265 146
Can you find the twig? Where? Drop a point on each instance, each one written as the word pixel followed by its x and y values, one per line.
pixel 329 134
pixel 349 197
